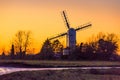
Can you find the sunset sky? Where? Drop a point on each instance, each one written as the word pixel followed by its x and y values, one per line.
pixel 44 18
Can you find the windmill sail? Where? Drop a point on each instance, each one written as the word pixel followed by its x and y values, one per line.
pixel 83 26
pixel 60 35
pixel 68 26
pixel 79 28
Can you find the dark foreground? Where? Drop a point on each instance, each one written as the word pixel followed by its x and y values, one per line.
pixel 78 74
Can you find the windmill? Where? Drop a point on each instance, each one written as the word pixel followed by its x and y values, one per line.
pixel 70 34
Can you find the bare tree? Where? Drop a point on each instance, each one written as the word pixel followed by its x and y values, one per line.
pixel 28 39
pixel 22 41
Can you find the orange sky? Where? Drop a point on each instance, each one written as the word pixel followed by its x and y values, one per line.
pixel 44 19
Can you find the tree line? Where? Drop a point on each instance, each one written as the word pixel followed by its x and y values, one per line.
pixel 100 47
pixel 21 44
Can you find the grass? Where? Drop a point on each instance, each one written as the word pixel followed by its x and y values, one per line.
pixel 41 63
pixel 65 75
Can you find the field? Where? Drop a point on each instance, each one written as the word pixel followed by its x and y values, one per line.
pixel 112 74
pixel 77 74
pixel 39 63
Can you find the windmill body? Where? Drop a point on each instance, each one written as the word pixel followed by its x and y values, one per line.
pixel 70 36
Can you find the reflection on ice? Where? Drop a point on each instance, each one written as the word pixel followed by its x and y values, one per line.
pixel 7 70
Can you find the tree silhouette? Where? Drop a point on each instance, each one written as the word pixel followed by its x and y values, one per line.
pixel 102 47
pixel 12 53
pixel 57 46
pixel 3 55
pixel 46 50
pixel 22 41
pixel 108 46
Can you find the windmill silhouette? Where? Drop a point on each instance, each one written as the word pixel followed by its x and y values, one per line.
pixel 71 33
